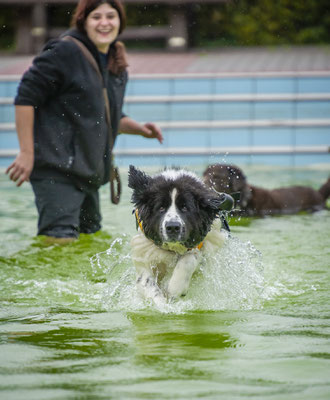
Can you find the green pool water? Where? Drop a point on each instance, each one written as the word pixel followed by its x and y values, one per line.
pixel 254 325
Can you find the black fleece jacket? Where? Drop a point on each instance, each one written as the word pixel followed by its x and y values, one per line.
pixel 71 136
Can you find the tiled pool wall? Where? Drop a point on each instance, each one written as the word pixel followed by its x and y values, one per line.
pixel 281 119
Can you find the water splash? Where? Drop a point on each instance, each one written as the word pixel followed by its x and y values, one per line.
pixel 230 280
pixel 92 275
pixel 113 268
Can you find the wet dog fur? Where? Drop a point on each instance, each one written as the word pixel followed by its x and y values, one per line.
pixel 256 201
pixel 175 212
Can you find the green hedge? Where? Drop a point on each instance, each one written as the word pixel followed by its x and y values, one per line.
pixel 264 22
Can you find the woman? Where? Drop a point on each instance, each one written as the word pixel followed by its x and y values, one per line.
pixel 61 120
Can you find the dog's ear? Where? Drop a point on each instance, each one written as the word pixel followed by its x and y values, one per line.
pixel 139 182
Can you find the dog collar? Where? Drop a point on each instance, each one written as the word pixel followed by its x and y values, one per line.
pixel 138 221
pixel 139 225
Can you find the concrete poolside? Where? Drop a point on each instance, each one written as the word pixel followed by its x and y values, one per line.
pixel 224 60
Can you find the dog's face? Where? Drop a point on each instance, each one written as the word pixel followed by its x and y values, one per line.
pixel 228 179
pixel 174 206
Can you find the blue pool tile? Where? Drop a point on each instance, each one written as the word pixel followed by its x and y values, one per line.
pixel 313 109
pixel 190 112
pixel 273 159
pixel 148 111
pixel 125 141
pixel 5 162
pixel 144 87
pixel 8 88
pixel 193 86
pixel 273 110
pixel 186 138
pixel 308 159
pixel 273 137
pixel 229 137
pixel 233 86
pixel 8 140
pixel 275 85
pixel 232 111
pixel 312 136
pixel 314 85
pixel 121 141
pixel 7 113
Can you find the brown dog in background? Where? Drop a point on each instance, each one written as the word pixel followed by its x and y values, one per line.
pixel 256 201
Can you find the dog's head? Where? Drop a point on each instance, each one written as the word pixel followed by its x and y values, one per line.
pixel 174 206
pixel 228 179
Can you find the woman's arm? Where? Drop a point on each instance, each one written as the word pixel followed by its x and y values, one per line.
pixel 20 170
pixel 148 130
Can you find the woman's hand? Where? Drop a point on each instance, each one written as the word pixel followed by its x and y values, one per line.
pixel 152 131
pixel 20 170
pixel 149 130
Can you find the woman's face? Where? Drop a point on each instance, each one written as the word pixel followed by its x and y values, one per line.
pixel 102 26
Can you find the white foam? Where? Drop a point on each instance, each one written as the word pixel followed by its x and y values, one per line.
pixel 231 280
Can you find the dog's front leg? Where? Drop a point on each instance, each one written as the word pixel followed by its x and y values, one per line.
pixel 180 279
pixel 147 285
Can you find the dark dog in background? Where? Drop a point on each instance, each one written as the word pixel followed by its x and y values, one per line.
pixel 256 201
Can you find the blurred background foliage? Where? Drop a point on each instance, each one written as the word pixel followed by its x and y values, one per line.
pixel 7 28
pixel 265 22
pixel 235 23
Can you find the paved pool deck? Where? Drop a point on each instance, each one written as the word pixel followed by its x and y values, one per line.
pixel 224 60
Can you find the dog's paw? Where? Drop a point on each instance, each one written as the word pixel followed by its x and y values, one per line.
pixel 175 290
pixel 178 285
pixel 173 299
pixel 148 288
pixel 160 302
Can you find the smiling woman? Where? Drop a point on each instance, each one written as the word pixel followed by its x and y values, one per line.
pixel 68 116
pixel 102 26
pixel 102 21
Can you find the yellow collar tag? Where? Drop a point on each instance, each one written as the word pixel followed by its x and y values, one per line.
pixel 200 245
pixel 139 222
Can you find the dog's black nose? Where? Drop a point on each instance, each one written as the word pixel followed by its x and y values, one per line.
pixel 173 228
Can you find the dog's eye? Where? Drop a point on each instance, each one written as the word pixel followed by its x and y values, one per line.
pixel 161 209
pixel 184 208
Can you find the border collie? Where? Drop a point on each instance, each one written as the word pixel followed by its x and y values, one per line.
pixel 256 201
pixel 176 218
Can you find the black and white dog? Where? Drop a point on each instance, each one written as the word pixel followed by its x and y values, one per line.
pixel 177 217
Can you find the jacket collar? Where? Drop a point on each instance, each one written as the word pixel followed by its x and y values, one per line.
pixel 87 42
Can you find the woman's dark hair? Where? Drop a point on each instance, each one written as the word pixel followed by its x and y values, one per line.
pixel 85 7
pixel 117 59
